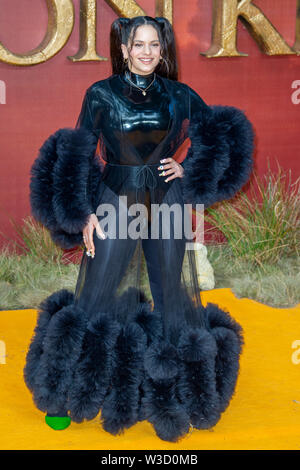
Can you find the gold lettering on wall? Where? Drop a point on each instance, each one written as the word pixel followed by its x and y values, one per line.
pixel 224 29
pixel 126 9
pixel 60 26
pixel 224 32
pixel 130 8
pixel 88 23
pixel 296 45
pixel 87 33
pixel 165 9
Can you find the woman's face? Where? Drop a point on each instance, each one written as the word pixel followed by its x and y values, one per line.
pixel 145 52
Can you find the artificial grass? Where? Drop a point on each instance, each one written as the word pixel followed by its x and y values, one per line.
pixel 25 280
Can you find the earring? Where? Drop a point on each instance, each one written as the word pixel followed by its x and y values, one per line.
pixel 125 61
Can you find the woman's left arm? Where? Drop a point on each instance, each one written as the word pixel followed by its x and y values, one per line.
pixel 219 160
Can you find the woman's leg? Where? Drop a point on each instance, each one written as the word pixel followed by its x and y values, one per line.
pixel 150 248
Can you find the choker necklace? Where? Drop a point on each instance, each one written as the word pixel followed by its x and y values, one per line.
pixel 143 90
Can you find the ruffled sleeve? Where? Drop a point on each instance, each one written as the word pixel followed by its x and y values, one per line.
pixel 219 160
pixel 60 187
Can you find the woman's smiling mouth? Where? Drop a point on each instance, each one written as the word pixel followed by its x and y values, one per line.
pixel 145 61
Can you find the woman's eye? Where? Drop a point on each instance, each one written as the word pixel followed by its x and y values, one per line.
pixel 140 45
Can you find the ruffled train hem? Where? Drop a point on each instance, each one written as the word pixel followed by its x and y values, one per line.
pixel 124 367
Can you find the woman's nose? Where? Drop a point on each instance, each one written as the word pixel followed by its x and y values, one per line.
pixel 147 49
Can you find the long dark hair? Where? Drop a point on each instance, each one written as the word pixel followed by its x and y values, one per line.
pixel 123 29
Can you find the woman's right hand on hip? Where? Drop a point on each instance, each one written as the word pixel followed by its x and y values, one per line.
pixel 88 233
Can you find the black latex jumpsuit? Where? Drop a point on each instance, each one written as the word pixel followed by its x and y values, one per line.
pixel 136 132
pixel 146 120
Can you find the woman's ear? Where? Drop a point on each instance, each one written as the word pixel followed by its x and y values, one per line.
pixel 124 51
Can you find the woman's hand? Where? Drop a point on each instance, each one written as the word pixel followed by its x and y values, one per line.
pixel 171 167
pixel 88 233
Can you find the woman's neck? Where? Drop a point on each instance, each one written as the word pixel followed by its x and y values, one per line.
pixel 141 81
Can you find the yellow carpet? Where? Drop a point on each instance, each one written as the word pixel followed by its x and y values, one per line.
pixel 263 414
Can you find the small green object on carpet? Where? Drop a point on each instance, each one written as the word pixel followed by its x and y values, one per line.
pixel 58 422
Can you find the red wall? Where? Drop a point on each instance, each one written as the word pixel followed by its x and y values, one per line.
pixel 45 97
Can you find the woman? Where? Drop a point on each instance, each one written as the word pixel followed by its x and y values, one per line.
pixel 106 347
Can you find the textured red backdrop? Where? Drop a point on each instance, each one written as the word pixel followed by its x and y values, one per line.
pixel 42 98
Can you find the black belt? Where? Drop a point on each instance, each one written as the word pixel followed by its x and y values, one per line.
pixel 138 177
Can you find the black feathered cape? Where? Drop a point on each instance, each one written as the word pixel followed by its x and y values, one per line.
pixel 104 347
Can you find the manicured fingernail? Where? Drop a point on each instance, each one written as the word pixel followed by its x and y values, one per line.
pixel 166 180
pixel 162 161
